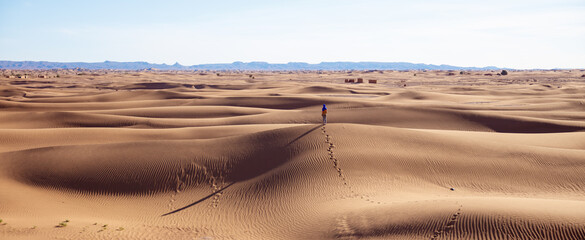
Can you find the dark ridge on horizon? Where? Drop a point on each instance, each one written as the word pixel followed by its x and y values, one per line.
pixel 254 66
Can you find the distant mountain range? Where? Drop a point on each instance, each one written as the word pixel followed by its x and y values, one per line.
pixel 254 66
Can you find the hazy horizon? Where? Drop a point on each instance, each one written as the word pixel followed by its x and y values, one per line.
pixel 520 34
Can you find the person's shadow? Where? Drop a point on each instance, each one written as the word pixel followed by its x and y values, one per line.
pixel 302 135
pixel 198 201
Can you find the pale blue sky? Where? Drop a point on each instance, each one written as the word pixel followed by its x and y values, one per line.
pixel 516 34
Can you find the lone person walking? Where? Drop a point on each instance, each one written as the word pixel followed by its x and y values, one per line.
pixel 324 114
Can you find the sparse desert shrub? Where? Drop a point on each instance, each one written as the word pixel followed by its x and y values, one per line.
pixel 450 74
pixel 583 75
pixel 504 73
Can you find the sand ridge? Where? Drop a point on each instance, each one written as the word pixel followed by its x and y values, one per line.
pixel 187 155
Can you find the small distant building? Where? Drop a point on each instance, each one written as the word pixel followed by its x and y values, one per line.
pixel 351 80
pixel 360 80
pixel 346 80
pixel 373 81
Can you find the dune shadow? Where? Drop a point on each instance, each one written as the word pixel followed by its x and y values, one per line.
pixel 512 125
pixel 198 201
pixel 302 135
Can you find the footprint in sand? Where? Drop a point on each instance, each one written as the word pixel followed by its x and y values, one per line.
pixel 450 224
pixel 336 166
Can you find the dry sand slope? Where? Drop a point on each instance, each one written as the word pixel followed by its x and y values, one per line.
pixel 185 156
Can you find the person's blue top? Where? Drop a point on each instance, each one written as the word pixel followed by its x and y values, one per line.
pixel 324 108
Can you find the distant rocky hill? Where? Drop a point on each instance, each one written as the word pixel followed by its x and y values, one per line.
pixel 235 66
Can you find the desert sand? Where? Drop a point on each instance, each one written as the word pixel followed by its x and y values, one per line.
pixel 243 155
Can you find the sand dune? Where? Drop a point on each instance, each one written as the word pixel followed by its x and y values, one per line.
pixel 188 156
